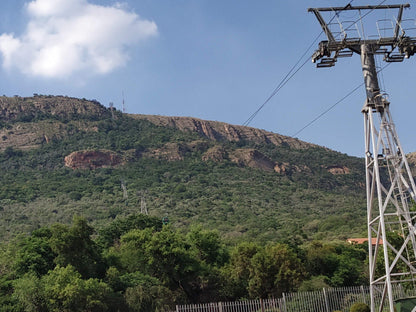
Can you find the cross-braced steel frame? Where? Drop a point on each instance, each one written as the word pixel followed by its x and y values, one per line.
pixel 390 187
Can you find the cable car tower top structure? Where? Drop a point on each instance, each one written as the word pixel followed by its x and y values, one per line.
pixel 390 188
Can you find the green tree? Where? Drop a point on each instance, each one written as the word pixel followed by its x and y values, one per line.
pixel 61 290
pixel 111 233
pixel 321 259
pixel 165 255
pixel 66 291
pixel 237 273
pixel 73 245
pixel 337 264
pixel 28 293
pixel 34 253
pixel 314 283
pixel 351 266
pixel 208 245
pixel 8 274
pixel 274 270
pixel 149 296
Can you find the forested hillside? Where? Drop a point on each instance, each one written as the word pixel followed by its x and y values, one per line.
pixel 251 214
pixel 62 156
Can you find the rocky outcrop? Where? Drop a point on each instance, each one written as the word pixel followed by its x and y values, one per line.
pixel 216 153
pixel 336 170
pixel 92 159
pixel 220 131
pixel 287 169
pixel 252 158
pixel 29 122
pixel 37 107
pixel 30 135
pixel 169 152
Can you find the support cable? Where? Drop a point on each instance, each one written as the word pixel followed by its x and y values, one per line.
pixel 284 81
pixel 288 76
pixel 352 91
pixel 338 102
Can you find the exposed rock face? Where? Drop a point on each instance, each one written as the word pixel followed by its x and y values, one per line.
pixel 245 157
pixel 220 131
pixel 338 170
pixel 29 122
pixel 92 159
pixel 170 152
pixel 286 168
pixel 282 168
pixel 29 135
pixel 216 153
pixel 27 108
pixel 252 158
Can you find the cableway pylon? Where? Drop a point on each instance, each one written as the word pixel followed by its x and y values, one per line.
pixel 390 187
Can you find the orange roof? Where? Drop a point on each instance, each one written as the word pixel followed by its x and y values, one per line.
pixel 363 240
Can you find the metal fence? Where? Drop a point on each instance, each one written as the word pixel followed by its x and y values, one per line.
pixel 325 300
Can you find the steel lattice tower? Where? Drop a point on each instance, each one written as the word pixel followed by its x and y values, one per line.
pixel 391 191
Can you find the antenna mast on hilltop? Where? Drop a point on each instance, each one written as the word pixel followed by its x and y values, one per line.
pixel 112 110
pixel 389 182
pixel 123 106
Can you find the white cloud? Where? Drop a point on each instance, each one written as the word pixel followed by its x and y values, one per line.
pixel 66 37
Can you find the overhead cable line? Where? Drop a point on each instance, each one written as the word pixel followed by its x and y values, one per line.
pixel 288 76
pixel 283 82
pixel 353 90
pixel 338 102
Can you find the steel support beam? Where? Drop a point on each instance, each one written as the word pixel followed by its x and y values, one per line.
pixel 390 186
pixel 388 197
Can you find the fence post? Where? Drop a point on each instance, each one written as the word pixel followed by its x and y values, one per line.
pixel 261 305
pixel 326 301
pixel 284 302
pixel 219 306
pixel 177 308
pixel 362 292
pixel 401 292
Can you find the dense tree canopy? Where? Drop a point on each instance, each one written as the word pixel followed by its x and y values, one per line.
pixel 137 264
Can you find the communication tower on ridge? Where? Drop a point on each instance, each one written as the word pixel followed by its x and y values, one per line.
pixel 390 186
pixel 124 107
pixel 112 110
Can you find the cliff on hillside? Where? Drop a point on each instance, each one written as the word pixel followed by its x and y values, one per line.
pixel 92 159
pixel 43 106
pixel 221 131
pixel 30 122
pixel 62 156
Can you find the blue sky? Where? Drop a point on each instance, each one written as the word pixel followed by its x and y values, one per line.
pixel 210 59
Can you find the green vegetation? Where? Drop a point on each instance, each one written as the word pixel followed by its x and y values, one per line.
pixel 234 231
pixel 36 189
pixel 360 307
pixel 136 264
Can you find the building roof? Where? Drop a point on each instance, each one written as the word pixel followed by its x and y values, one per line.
pixel 360 241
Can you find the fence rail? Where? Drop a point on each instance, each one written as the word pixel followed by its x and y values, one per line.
pixel 325 300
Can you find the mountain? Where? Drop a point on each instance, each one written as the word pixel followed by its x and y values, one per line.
pixel 62 156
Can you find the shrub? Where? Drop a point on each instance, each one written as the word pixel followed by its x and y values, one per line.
pixel 360 307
